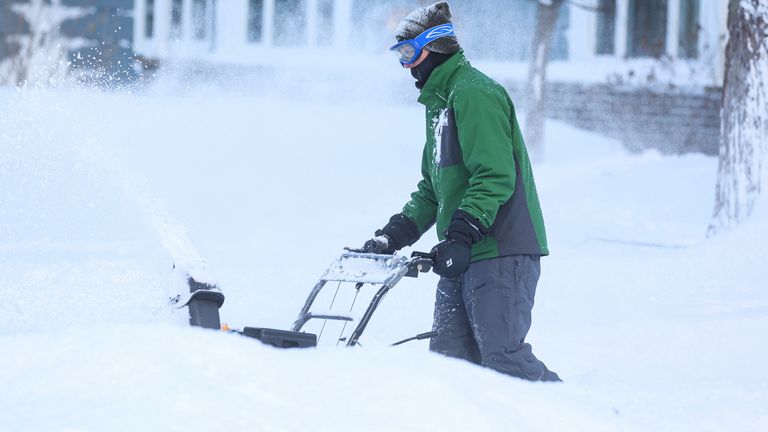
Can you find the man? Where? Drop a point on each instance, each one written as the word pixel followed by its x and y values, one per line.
pixel 478 188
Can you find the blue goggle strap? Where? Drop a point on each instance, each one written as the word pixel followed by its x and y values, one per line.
pixel 427 36
pixel 433 33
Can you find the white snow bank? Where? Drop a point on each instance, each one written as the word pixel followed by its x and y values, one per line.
pixel 127 378
pixel 652 326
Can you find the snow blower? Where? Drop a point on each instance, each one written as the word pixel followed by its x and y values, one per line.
pixel 352 267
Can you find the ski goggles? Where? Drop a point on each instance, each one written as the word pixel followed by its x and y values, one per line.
pixel 408 51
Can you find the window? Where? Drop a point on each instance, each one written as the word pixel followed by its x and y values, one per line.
pixel 688 37
pixel 149 18
pixel 606 27
pixel 255 20
pixel 199 19
pixel 647 33
pixel 290 23
pixel 324 22
pixel 176 6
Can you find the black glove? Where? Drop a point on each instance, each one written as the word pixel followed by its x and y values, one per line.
pixel 401 231
pixel 452 255
pixel 378 245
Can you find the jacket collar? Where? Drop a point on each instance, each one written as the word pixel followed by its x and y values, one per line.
pixel 438 86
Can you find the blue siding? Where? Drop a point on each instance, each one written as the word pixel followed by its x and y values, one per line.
pixel 110 27
pixel 10 24
pixel 100 26
pixel 114 4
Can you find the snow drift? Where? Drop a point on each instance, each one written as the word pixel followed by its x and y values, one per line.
pixel 651 326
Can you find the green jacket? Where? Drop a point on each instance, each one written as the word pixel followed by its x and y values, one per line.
pixel 475 160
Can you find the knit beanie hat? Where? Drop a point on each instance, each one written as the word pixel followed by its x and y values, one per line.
pixel 425 18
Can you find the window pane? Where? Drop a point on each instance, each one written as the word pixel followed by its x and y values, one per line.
pixel 255 20
pixel 606 26
pixel 325 22
pixel 199 19
pixel 688 45
pixel 647 28
pixel 176 19
pixel 210 17
pixel 290 23
pixel 149 18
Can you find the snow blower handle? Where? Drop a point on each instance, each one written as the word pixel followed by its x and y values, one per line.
pixel 420 262
pixel 424 255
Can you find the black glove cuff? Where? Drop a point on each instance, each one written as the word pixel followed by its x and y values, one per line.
pixel 465 228
pixel 401 230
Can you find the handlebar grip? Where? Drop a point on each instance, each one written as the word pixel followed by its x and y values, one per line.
pixel 425 255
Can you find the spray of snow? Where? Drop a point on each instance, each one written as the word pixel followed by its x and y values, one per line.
pixel 42 56
pixel 440 122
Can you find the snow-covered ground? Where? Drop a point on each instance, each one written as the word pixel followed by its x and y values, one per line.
pixel 652 326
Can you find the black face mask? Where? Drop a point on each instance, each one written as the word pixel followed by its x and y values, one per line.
pixel 422 72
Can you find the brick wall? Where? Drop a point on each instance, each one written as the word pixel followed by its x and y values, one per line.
pixel 672 122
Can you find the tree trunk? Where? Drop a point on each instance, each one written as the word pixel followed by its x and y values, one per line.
pixel 743 167
pixel 546 18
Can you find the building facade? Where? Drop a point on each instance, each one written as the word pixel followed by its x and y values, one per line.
pixel 239 31
pixel 616 66
pixel 262 31
pixel 671 30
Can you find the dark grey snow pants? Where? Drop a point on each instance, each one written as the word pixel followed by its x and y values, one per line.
pixel 483 316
